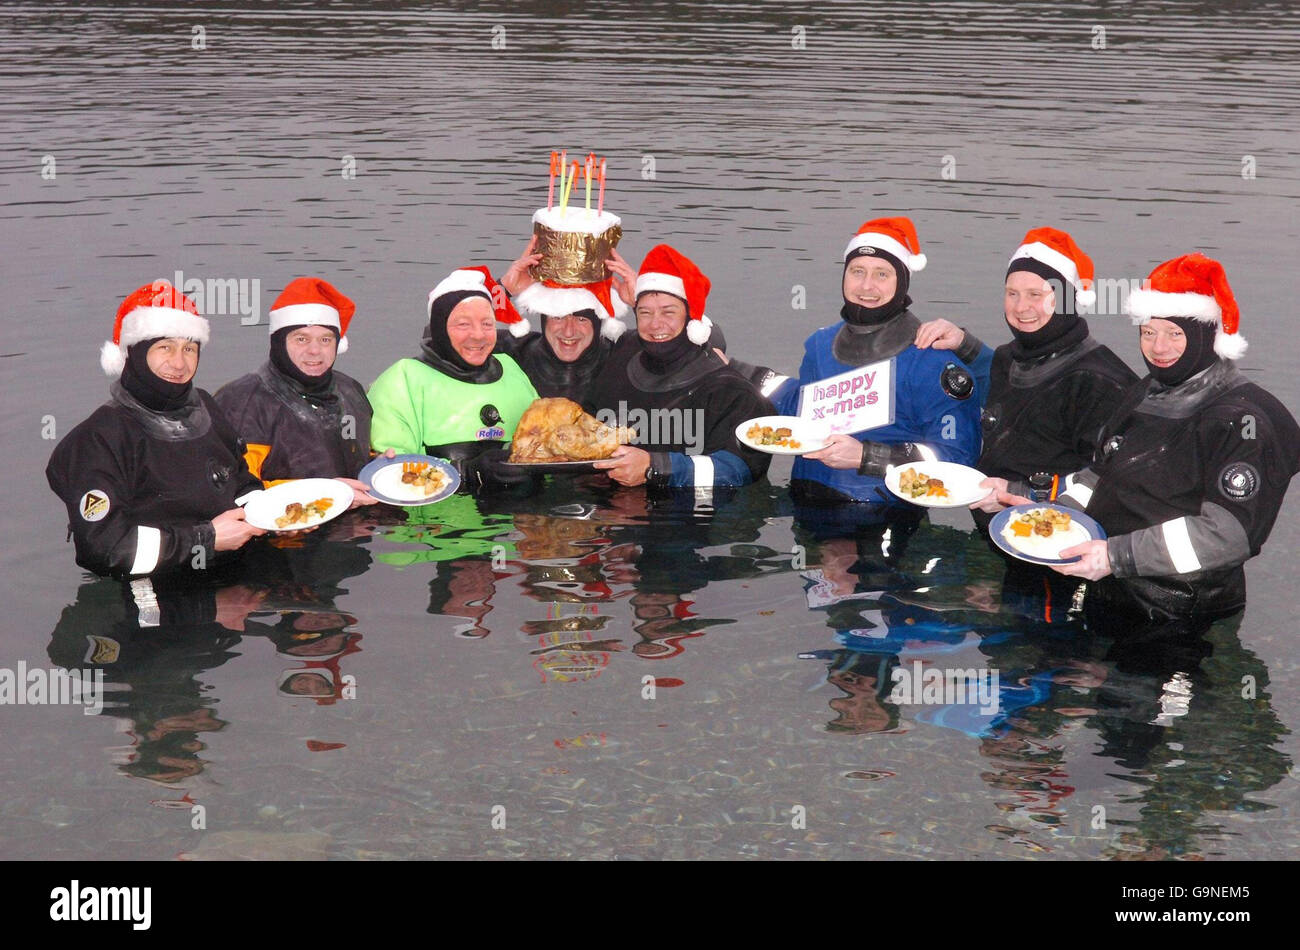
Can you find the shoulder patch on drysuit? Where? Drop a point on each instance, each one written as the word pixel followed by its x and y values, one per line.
pixel 957 382
pixel 1238 481
pixel 93 505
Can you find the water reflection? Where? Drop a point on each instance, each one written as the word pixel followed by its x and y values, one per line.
pixel 1176 709
pixel 155 638
pixel 154 644
pixel 582 580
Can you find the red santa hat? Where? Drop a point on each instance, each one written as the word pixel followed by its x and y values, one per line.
pixel 479 280
pixel 312 302
pixel 895 236
pixel 667 271
pixel 553 300
pixel 154 310
pixel 1192 287
pixel 1058 251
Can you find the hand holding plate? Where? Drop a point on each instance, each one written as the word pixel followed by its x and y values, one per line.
pixel 627 465
pixel 992 503
pixel 230 530
pixel 841 451
pixel 360 496
pixel 1093 563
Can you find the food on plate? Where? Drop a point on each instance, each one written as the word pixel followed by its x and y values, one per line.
pixel 424 477
pixel 557 430
pixel 300 514
pixel 1043 532
pixel 916 484
pixel 767 435
pixel 1043 522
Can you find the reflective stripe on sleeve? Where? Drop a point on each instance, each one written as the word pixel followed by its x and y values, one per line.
pixel 703 466
pixel 703 470
pixel 772 384
pixel 927 454
pixel 1076 489
pixel 148 542
pixel 1179 543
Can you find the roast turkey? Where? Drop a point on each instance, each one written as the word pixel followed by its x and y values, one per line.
pixel 557 430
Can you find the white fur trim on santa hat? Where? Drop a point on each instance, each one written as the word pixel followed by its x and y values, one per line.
pixel 699 331
pixel 148 323
pixel 305 315
pixel 343 346
pixel 652 283
pixel 459 280
pixel 1037 251
pixel 557 301
pixel 1061 263
pixel 1231 346
pixel 1143 304
pixel 913 262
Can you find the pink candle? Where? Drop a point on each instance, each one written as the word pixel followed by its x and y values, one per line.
pixel 600 203
pixel 550 189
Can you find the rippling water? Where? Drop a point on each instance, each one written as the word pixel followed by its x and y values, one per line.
pixel 376 692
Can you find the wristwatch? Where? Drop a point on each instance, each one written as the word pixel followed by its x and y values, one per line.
pixel 653 477
pixel 1040 485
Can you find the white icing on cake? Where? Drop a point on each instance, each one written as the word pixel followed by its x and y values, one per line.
pixel 575 220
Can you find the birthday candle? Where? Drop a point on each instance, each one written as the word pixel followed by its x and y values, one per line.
pixel 588 177
pixel 600 203
pixel 550 189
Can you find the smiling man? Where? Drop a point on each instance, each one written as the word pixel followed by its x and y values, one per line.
pixel 936 399
pixel 150 479
pixel 1053 386
pixel 579 327
pixel 689 401
pixel 457 399
pixel 299 417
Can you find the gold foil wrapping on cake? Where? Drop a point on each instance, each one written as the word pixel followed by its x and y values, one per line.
pixel 570 257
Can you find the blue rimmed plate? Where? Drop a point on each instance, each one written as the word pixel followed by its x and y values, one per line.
pixel 1037 549
pixel 383 480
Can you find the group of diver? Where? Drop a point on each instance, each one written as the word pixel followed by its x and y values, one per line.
pixel 1185 469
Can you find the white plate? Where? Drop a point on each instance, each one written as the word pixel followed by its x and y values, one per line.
pixel 962 482
pixel 1036 548
pixel 811 435
pixel 261 508
pixel 386 481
